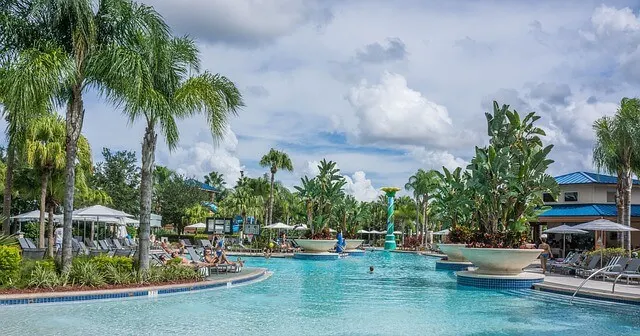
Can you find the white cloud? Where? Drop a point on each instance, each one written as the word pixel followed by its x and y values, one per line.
pixel 437 159
pixel 360 187
pixel 607 20
pixel 390 111
pixel 201 158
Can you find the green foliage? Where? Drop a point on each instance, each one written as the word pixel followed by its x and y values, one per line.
pixel 132 231
pixel 8 240
pixel 200 236
pixel 103 262
pixel 459 234
pixel 608 252
pixel 119 176
pixel 117 276
pixel 43 275
pixel 177 195
pixel 9 264
pixel 84 272
pixel 174 261
pixel 31 230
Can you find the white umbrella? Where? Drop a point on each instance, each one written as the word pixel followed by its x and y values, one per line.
pixel 129 221
pixel 332 230
pixel 604 225
pixel 363 232
pixel 441 233
pixel 397 232
pixel 377 232
pixel 100 211
pixel 300 227
pixel 197 226
pixel 34 215
pixel 279 226
pixel 564 230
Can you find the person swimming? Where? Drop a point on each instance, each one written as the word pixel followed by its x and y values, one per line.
pixel 370 269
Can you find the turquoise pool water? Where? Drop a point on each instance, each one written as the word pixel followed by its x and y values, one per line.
pixel 404 296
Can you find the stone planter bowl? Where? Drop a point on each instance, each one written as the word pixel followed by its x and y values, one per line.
pixel 453 251
pixel 312 245
pixel 497 261
pixel 352 244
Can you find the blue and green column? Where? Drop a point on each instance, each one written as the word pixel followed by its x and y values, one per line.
pixel 390 238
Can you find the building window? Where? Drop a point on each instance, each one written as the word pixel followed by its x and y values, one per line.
pixel 571 196
pixel 611 196
pixel 548 198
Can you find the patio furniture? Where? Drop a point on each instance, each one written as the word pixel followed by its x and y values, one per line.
pixel 30 250
pixel 631 266
pixel 591 267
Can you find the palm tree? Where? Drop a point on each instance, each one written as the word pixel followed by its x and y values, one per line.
pixel 45 152
pixel 168 96
pixel 308 191
pixel 215 180
pixel 95 38
pixel 617 151
pixel 423 183
pixel 275 160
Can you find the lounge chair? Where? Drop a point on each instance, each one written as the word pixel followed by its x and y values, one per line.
pixel 611 262
pixel 631 273
pixel 29 249
pixel 616 267
pixel 205 243
pixel 186 242
pixel 195 257
pixel 570 259
pixel 631 266
pixel 592 266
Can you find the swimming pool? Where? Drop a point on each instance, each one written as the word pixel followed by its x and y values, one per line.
pixel 404 296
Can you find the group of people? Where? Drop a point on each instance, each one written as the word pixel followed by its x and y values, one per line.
pixel 211 257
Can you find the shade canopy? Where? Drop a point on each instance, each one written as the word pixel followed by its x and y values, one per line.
pixel 363 232
pixel 300 227
pixel 397 232
pixel 565 229
pixel 279 226
pixel 376 232
pixel 100 211
pixel 441 232
pixel 604 225
pixel 196 226
pixel 332 230
pixel 34 216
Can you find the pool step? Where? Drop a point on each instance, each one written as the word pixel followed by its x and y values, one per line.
pixel 542 296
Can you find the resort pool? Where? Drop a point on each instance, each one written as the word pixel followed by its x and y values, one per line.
pixel 404 296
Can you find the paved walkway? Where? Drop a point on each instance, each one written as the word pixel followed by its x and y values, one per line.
pixel 567 284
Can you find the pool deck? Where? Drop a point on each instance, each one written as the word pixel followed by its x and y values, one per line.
pixel 214 281
pixel 596 289
pixel 249 254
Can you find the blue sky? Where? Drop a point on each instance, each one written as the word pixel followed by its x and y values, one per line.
pixel 387 87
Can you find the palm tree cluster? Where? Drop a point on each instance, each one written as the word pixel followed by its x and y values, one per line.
pixel 617 152
pixel 54 51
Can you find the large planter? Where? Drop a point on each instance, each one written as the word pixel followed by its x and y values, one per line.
pixel 316 245
pixel 352 244
pixel 497 261
pixel 453 251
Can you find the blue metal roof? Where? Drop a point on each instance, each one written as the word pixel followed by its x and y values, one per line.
pixel 202 186
pixel 587 210
pixel 588 178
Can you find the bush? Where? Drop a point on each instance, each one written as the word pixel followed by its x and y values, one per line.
pixel 8 240
pixel 132 231
pixel 608 253
pixel 31 230
pixel 9 265
pixel 102 262
pixel 200 236
pixel 459 234
pixel 44 275
pixel 85 273
pixel 117 276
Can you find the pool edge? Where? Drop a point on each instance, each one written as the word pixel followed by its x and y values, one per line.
pixel 256 274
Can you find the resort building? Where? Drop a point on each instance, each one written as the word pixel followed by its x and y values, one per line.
pixel 585 197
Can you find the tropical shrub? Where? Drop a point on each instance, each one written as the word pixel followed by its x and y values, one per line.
pixel 44 275
pixel 9 264
pixel 132 231
pixel 8 240
pixel 85 273
pixel 31 230
pixel 459 234
pixel 608 253
pixel 102 262
pixel 117 276
pixel 200 236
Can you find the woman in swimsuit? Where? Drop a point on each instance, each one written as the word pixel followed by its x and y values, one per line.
pixel 545 255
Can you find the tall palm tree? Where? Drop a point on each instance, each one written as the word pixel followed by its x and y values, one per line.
pixel 617 151
pixel 308 191
pixel 170 95
pixel 423 184
pixel 215 180
pixel 275 160
pixel 95 38
pixel 45 152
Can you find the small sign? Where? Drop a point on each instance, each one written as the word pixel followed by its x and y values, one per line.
pixel 252 229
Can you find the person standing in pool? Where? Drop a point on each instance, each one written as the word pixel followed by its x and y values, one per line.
pixel 370 269
pixel 545 255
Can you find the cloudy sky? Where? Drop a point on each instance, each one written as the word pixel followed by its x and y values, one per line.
pixel 387 87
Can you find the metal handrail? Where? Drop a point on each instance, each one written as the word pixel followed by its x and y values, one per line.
pixel 587 279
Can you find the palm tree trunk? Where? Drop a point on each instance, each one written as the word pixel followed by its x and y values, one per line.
pixel 50 233
pixel 8 186
pixel 146 185
pixel 270 215
pixel 309 219
pixel 620 196
pixel 43 206
pixel 75 115
pixel 626 220
pixel 425 204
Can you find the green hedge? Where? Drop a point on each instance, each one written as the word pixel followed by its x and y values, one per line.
pixel 9 265
pixel 173 238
